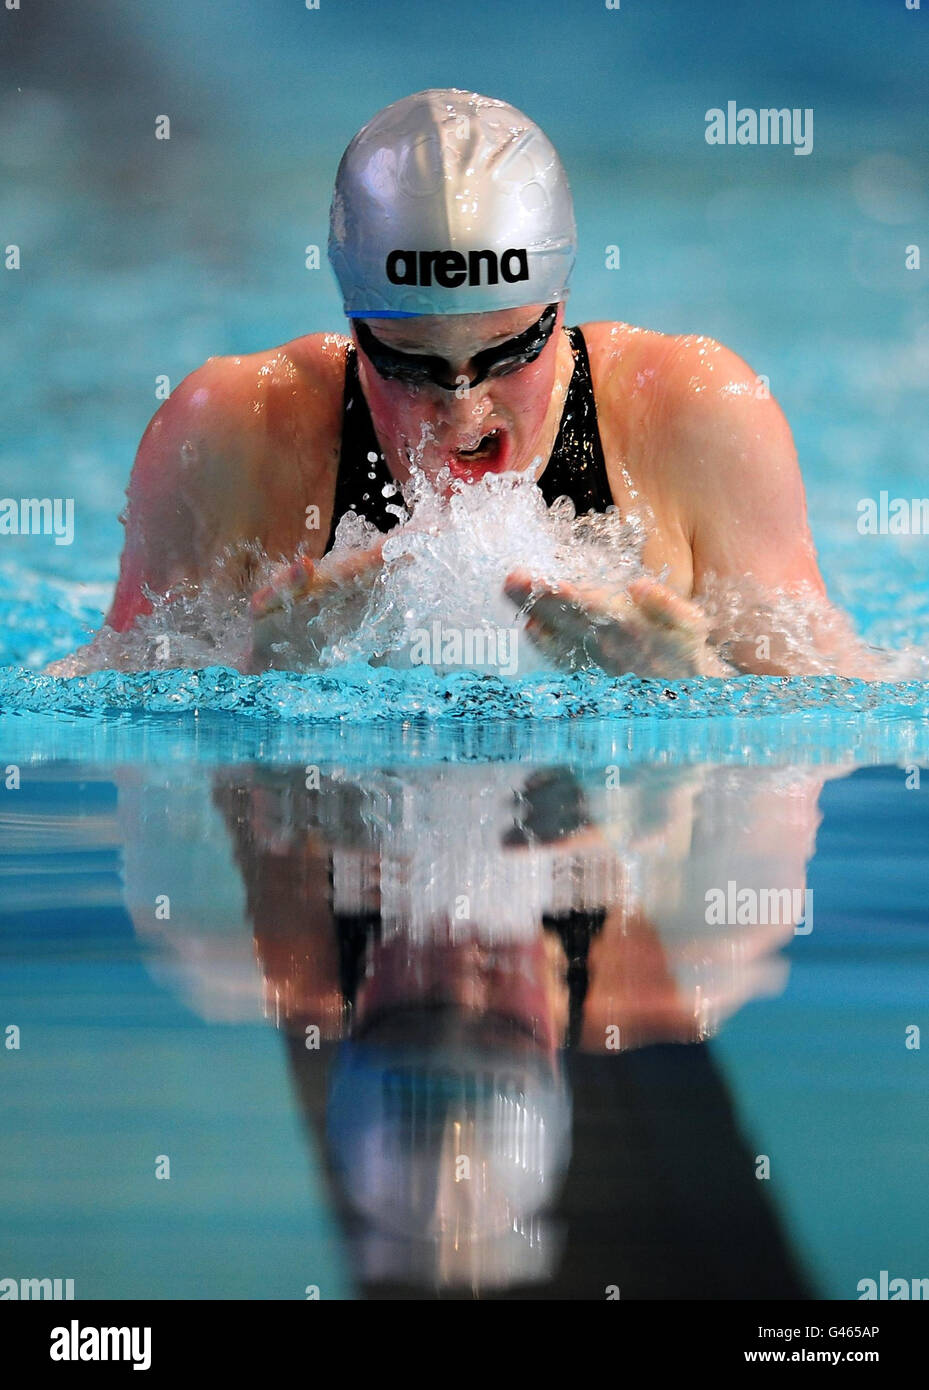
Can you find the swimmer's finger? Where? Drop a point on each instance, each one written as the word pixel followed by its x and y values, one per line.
pixel 355 565
pixel 587 602
pixel 679 630
pixel 663 607
pixel 628 643
pixel 519 586
pixel 560 606
pixel 565 616
pixel 648 631
pixel 567 621
pixel 305 577
pixel 549 642
pixel 567 633
pixel 291 582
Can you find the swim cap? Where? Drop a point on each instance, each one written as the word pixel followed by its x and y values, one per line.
pixel 448 202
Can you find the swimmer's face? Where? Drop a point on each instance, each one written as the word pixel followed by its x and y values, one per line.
pixel 492 427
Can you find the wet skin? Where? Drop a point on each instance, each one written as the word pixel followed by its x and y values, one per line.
pixel 245 445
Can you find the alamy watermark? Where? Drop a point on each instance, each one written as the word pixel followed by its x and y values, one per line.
pixel 893 516
pixel 468 647
pixel 28 1289
pixel 883 1287
pixel 77 1343
pixel 767 126
pixel 38 516
pixel 733 906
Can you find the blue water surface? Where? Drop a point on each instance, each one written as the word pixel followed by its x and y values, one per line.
pixel 140 260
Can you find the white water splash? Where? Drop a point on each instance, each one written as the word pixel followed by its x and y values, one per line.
pixel 441 578
pixel 445 568
pixel 445 564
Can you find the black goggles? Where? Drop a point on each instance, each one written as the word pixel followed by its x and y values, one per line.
pixel 414 370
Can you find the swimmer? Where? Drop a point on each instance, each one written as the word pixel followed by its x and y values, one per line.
pixel 452 238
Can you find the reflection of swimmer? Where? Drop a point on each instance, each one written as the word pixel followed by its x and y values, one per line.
pixel 452 1049
pixel 448 1109
pixel 596 897
pixel 453 238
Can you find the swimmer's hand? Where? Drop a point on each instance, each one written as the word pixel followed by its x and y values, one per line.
pixel 289 583
pixel 281 609
pixel 647 630
pixel 304 578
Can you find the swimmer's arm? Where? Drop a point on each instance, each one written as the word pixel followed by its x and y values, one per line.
pixel 657 971
pixel 742 503
pixel 183 493
pixel 177 506
pixel 235 455
pixel 286 871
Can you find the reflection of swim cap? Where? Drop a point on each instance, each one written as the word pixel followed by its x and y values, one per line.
pixel 446 1138
pixel 448 202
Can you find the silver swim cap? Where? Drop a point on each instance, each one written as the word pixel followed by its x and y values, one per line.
pixel 448 202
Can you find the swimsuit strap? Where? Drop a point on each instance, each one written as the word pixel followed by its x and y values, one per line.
pixel 576 468
pixel 363 473
pixel 576 930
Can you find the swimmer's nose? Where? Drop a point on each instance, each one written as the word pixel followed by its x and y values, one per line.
pixel 463 419
pixel 461 399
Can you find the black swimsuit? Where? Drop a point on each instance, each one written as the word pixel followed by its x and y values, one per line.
pixel 576 469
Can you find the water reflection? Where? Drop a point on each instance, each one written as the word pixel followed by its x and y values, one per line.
pixel 452 951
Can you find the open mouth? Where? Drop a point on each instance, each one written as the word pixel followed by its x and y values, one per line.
pixel 488 454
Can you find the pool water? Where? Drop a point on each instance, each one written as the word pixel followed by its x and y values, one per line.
pixel 387 984
pixel 465 917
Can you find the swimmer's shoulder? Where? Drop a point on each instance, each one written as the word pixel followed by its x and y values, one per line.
pixel 240 417
pixel 294 390
pixel 626 370
pixel 654 387
pixel 240 441
pixel 235 452
pixel 675 366
pixel 707 445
